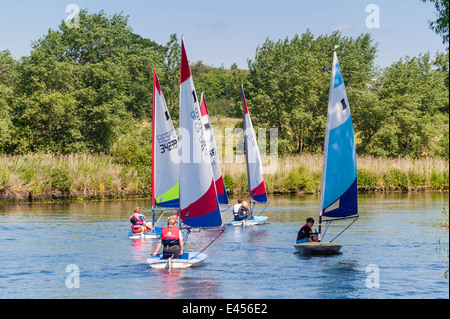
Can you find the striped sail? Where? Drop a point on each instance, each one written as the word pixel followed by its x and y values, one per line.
pixel 255 176
pixel 211 143
pixel 198 200
pixel 339 185
pixel 165 163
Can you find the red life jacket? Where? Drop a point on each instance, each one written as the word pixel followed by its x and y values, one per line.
pixel 170 236
pixel 301 235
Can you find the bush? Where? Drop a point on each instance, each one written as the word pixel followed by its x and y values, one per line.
pixel 396 178
pixel 229 182
pixel 299 179
pixel 61 180
pixel 366 178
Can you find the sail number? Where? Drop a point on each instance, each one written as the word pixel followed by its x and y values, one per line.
pixel 167 141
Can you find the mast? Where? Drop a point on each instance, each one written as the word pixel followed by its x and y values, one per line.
pixel 245 111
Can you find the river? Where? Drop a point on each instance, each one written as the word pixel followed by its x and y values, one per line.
pixel 81 250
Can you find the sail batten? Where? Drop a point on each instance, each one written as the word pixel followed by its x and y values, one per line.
pixel 339 179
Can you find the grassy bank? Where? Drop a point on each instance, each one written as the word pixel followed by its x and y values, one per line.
pixel 80 177
pixel 35 177
pixel 303 173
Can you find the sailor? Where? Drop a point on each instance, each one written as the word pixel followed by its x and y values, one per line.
pixel 305 234
pixel 240 210
pixel 171 239
pixel 138 223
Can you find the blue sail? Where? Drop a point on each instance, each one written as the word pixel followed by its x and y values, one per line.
pixel 339 180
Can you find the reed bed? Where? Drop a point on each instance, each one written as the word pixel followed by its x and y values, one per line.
pixel 85 173
pixel 303 173
pixel 89 175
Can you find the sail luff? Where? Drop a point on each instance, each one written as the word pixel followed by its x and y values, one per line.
pixel 153 138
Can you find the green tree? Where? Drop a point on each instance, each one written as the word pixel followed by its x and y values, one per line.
pixel 289 83
pixel 8 78
pixel 93 80
pixel 415 118
pixel 441 25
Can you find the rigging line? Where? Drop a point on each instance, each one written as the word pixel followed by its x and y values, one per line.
pixel 254 204
pixel 344 229
pixel 326 227
pixel 160 216
pixel 223 230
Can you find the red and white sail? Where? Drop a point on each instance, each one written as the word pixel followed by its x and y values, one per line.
pixel 211 143
pixel 199 206
pixel 255 176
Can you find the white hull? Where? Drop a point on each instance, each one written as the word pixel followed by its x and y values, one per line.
pixel 254 221
pixel 187 260
pixel 318 248
pixel 143 235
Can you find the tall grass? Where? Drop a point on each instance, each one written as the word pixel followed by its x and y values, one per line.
pixel 302 173
pixel 98 175
pixel 89 174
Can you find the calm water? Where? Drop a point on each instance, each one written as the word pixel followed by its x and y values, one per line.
pixel 396 243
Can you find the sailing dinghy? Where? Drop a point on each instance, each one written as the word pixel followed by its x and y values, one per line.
pixel 214 158
pixel 338 198
pixel 255 176
pixel 198 203
pixel 165 163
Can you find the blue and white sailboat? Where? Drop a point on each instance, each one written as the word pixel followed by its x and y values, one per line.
pixel 338 197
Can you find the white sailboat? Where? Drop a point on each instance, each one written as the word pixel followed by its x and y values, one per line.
pixel 255 175
pixel 198 202
pixel 165 162
pixel 338 198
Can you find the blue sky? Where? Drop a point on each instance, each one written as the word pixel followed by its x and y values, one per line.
pixel 224 32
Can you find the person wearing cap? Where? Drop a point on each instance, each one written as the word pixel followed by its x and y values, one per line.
pixel 240 210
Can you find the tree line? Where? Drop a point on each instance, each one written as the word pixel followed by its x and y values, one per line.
pixel 88 89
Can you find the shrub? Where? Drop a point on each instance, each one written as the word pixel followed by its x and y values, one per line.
pixel 229 182
pixel 61 180
pixel 366 178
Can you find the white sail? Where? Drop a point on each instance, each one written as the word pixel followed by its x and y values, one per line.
pixel 211 143
pixel 255 176
pixel 198 200
pixel 165 162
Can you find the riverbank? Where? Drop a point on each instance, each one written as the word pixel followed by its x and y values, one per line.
pixel 79 177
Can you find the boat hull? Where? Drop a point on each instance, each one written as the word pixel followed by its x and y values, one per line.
pixel 254 221
pixel 187 260
pixel 318 248
pixel 143 235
